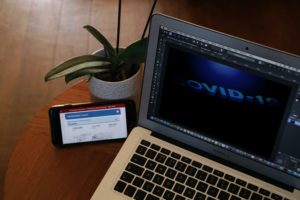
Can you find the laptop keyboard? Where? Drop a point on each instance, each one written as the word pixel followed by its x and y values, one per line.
pixel 155 172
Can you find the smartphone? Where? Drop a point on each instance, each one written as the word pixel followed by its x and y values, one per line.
pixel 73 124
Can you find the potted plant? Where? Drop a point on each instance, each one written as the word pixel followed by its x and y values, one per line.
pixel 113 72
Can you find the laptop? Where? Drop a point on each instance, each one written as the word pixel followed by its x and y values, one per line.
pixel 219 119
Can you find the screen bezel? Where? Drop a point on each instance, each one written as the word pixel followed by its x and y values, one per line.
pixel 55 124
pixel 226 40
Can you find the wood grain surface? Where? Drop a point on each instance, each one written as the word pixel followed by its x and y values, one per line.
pixel 38 170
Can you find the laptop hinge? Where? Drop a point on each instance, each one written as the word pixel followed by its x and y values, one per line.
pixel 224 162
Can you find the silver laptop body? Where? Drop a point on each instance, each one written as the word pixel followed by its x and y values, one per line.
pixel 219 119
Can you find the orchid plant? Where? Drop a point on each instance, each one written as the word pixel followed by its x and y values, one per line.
pixel 112 65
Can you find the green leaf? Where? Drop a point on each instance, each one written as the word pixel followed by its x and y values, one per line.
pixel 75 64
pixel 111 51
pixel 83 72
pixel 136 52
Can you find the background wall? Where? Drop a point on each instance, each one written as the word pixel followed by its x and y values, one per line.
pixel 35 35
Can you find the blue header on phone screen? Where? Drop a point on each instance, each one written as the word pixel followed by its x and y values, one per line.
pixel 93 114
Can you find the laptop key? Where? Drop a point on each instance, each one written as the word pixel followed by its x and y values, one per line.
pixel 138 182
pixel 145 142
pixel 120 186
pixel 276 196
pixel 196 164
pixel 175 155
pixel 140 195
pixel 158 179
pixel 168 195
pixel 200 196
pixel 223 195
pixel 212 191
pixel 186 160
pixel 207 168
pixel 178 188
pixel 191 182
pixel 161 169
pixel 181 177
pixel 202 186
pixel 218 173
pixel 171 173
pixel 229 177
pixel 155 147
pixel 135 169
pixel 165 151
pixel 127 177
pixel 256 196
pixel 180 166
pixel 168 183
pixel 201 175
pixel 240 182
pixel 150 164
pixel 244 193
pixel 170 162
pixel 158 191
pixel 160 158
pixel 233 188
pixel 130 190
pixel 141 150
pixel 148 186
pixel 138 159
pixel 223 184
pixel 148 175
pixel 189 193
pixel 252 187
pixel 151 154
pixel 211 179
pixel 264 192
pixel 191 170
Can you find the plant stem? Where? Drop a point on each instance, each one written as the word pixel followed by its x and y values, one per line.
pixel 119 24
pixel 148 20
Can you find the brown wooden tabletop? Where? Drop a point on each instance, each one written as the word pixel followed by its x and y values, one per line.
pixel 38 170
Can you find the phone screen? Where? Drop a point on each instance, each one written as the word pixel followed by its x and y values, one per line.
pixel 88 124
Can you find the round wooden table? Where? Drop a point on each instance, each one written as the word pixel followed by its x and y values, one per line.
pixel 38 170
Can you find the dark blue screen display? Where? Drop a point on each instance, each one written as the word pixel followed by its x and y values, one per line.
pixel 223 102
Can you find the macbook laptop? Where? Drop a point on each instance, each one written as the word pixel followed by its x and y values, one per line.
pixel 219 119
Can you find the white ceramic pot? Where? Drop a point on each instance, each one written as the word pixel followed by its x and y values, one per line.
pixel 125 89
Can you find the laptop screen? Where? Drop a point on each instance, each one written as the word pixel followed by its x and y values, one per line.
pixel 214 96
